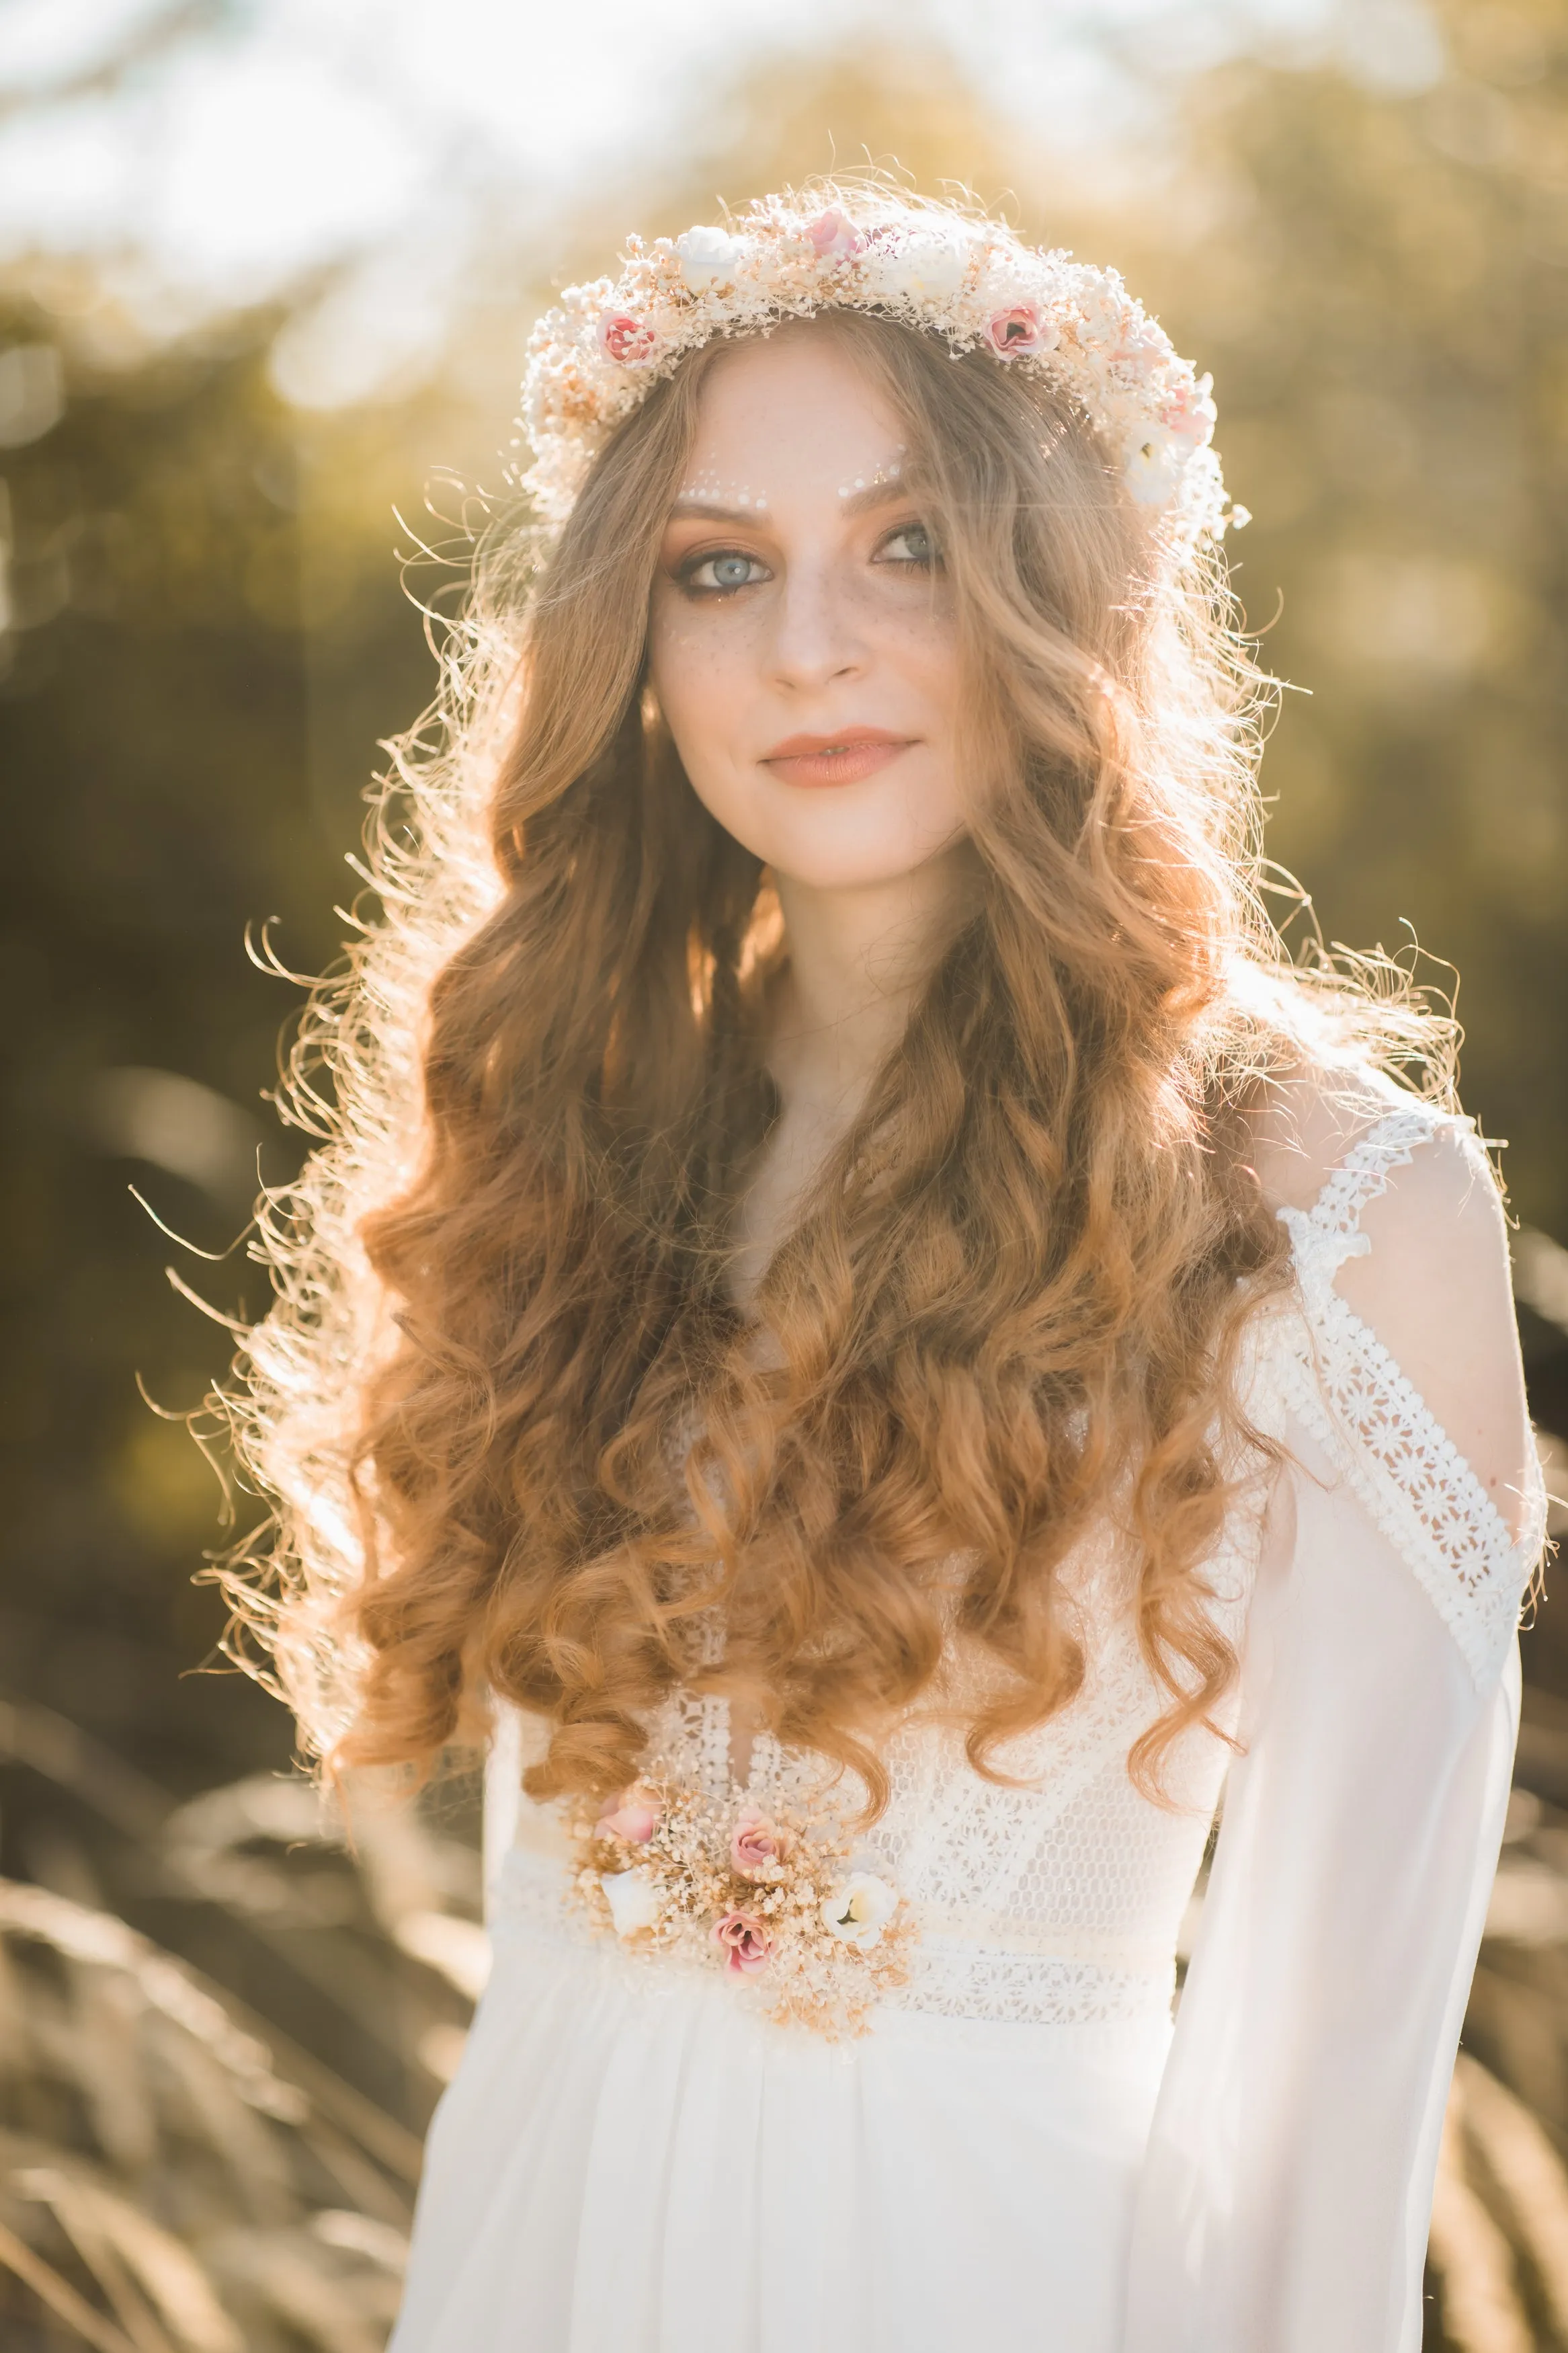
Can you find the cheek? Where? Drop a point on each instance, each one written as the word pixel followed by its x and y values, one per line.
pixel 698 677
pixel 913 635
pixel 695 673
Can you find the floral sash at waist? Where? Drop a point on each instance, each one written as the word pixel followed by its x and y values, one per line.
pixel 957 1964
pixel 777 1901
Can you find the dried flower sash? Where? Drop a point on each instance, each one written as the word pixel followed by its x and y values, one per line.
pixel 775 1900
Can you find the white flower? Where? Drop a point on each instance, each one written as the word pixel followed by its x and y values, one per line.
pixel 1104 312
pixel 922 268
pixel 857 1911
pixel 709 257
pixel 1152 461
pixel 633 1900
pixel 1143 353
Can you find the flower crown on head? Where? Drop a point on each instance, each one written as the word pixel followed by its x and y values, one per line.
pixel 594 357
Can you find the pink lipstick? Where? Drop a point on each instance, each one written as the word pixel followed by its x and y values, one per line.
pixel 843 758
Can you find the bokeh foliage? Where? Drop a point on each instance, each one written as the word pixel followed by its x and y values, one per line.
pixel 158 729
pixel 1380 286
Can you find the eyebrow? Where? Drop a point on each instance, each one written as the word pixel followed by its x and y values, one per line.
pixel 875 494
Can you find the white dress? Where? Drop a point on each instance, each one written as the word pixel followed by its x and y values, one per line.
pixel 1023 2152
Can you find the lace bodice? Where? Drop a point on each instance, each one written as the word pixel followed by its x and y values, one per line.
pixel 1058 1902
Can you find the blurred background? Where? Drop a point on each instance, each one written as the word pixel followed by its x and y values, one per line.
pixel 266 272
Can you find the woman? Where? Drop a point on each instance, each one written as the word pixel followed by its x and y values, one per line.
pixel 860 1323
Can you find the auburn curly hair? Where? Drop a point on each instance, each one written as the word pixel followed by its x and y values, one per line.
pixel 517 1432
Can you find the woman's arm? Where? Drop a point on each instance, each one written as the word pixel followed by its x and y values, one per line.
pixel 1287 2194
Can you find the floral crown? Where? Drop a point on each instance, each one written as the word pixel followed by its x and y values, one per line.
pixel 969 280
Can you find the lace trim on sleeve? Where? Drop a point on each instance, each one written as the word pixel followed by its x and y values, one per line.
pixel 1378 1431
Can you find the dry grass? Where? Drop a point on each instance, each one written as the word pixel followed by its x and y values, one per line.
pixel 178 2175
pixel 168 2182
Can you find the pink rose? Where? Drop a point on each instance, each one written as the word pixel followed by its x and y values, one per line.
pixel 1190 414
pixel 745 1940
pixel 1014 334
pixel 756 1844
pixel 633 1816
pixel 1143 351
pixel 628 341
pixel 835 236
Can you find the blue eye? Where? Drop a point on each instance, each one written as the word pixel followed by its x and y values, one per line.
pixel 910 543
pixel 725 571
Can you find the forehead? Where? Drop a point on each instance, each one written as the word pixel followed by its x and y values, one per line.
pixel 801 399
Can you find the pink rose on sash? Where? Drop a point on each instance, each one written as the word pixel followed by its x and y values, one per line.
pixel 756 1844
pixel 746 1941
pixel 632 1816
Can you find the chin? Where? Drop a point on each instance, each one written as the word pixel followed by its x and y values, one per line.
pixel 835 845
pixel 839 872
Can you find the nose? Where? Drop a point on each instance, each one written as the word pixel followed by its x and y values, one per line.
pixel 816 638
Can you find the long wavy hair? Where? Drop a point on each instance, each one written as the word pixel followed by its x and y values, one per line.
pixel 518 1434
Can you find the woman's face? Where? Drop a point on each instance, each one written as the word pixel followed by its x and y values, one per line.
pixel 802 644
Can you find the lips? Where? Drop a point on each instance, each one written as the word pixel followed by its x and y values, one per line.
pixel 843 758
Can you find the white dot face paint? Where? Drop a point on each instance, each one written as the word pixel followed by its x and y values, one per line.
pixel 707 490
pixel 882 476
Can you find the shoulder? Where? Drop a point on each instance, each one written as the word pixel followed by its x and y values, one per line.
pixel 1309 1121
pixel 1343 1145
pixel 1401 1197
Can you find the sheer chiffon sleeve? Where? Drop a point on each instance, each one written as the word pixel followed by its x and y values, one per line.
pixel 1286 2197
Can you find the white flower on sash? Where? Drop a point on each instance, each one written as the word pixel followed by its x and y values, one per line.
pixel 778 1901
pixel 633 1900
pixel 857 1911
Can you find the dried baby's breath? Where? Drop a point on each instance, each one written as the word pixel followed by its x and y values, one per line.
pixel 688 1885
pixel 959 275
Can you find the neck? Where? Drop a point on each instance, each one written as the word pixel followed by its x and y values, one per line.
pixel 858 960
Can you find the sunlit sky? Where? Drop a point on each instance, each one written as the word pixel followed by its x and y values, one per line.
pixel 227 147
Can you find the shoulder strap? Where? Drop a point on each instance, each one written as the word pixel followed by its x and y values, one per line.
pixel 1326 1235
